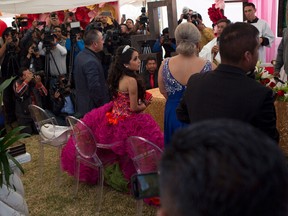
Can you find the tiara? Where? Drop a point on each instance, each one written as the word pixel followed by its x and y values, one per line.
pixel 125 49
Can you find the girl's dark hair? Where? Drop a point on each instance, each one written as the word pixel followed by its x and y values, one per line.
pixel 117 70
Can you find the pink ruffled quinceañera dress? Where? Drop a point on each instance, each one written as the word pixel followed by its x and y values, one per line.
pixel 111 123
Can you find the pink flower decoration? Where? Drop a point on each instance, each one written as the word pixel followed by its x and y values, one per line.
pixel 220 4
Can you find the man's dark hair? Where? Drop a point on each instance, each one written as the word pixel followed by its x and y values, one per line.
pixel 130 20
pixel 21 70
pixel 248 4
pixel 223 167
pixel 150 57
pixel 227 21
pixel 90 36
pixel 6 32
pixel 236 39
pixel 165 31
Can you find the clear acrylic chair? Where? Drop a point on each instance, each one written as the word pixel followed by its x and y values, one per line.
pixel 86 147
pixel 51 134
pixel 146 157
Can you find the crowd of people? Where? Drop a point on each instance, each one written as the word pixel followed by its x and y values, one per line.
pixel 203 77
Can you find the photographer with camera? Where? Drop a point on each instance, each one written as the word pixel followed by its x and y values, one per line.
pixel 207 34
pixel 63 100
pixel 103 19
pixel 31 58
pixel 32 34
pixel 51 47
pixel 186 14
pixel 9 68
pixel 52 22
pixel 28 89
pixel 167 43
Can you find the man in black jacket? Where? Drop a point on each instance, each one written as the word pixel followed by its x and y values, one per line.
pixel 227 92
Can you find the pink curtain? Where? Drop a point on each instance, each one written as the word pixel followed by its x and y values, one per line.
pixel 268 11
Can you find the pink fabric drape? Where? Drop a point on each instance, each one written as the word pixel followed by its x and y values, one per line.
pixel 268 11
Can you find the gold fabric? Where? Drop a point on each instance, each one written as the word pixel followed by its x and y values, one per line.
pixel 282 124
pixel 157 107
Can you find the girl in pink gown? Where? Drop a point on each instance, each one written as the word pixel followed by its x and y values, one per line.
pixel 116 121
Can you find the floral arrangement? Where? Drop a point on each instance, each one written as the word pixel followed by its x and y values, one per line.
pixel 267 79
pixel 216 13
pixel 264 77
pixel 281 92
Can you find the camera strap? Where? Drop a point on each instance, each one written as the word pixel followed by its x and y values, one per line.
pixel 55 64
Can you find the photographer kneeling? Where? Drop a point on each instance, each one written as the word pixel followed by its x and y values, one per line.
pixel 28 89
pixel 63 100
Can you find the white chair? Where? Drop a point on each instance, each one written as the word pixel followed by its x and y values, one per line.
pixel 51 134
pixel 146 157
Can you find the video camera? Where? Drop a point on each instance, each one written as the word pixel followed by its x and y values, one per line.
pixel 145 185
pixel 48 40
pixel 20 22
pixel 143 17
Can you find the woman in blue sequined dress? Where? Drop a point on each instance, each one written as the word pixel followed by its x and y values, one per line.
pixel 175 72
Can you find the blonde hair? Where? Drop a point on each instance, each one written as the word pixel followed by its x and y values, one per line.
pixel 187 37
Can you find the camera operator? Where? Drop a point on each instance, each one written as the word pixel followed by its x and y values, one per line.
pixel 207 34
pixel 167 43
pixel 52 22
pixel 186 14
pixel 63 100
pixel 56 52
pixel 28 89
pixel 125 35
pixel 31 58
pixel 103 19
pixel 32 34
pixel 74 38
pixel 9 68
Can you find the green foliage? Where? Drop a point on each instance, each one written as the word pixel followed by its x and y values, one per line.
pixel 5 142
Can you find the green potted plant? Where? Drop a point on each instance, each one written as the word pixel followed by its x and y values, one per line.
pixel 11 187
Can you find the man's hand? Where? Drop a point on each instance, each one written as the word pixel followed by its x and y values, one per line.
pixel 215 49
pixel 37 78
pixel 276 74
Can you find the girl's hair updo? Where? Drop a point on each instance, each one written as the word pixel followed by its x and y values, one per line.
pixel 117 69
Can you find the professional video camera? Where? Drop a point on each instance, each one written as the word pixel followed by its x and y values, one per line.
pixel 143 17
pixel 48 40
pixel 75 29
pixel 20 22
pixel 145 185
pixel 112 37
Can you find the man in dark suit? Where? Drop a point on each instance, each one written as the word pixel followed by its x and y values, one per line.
pixel 227 92
pixel 90 83
pixel 150 75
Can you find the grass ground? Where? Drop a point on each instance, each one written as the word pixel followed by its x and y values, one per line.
pixel 45 197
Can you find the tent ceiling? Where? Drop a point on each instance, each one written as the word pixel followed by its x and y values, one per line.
pixel 43 6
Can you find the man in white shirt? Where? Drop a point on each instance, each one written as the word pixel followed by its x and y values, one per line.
pixel 211 50
pixel 266 35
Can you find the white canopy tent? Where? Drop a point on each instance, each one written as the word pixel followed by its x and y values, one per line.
pixel 43 6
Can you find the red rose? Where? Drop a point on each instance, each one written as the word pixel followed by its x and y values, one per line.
pixel 272 84
pixel 280 93
pixel 266 81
